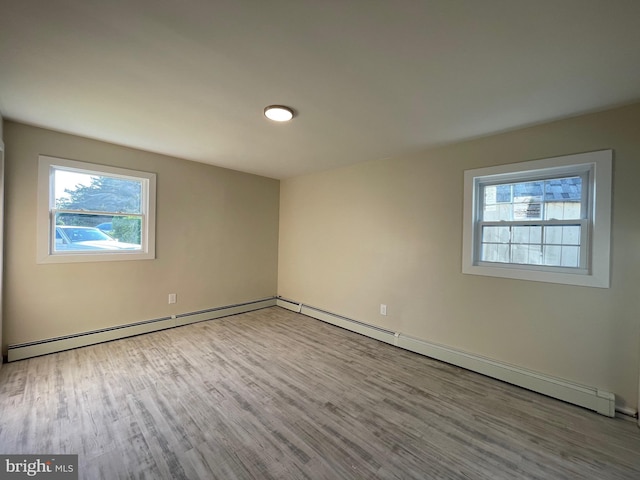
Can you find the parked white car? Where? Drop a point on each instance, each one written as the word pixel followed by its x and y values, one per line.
pixel 72 238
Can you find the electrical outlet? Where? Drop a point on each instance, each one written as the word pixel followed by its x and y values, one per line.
pixel 173 298
pixel 383 309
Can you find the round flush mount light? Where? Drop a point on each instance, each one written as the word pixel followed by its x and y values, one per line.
pixel 278 113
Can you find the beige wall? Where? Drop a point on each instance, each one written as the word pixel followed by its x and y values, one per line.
pixel 389 231
pixel 216 243
pixel 1 225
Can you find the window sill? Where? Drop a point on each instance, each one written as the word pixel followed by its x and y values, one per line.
pixel 76 257
pixel 579 278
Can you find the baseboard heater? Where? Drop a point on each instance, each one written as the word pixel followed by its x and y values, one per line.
pixel 58 344
pixel 584 396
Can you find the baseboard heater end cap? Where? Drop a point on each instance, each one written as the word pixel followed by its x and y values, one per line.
pixel 606 403
pixel 289 304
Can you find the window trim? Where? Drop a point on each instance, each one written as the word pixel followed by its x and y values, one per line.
pixel 597 273
pixel 45 228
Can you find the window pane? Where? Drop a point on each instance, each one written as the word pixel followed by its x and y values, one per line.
pixel 490 213
pixel 81 232
pixel 503 253
pixel 75 190
pixel 490 195
pixel 495 252
pixel 535 254
pixel 489 252
pixel 570 257
pixel 558 199
pixel 504 212
pixel 526 254
pixel 521 244
pixel 552 255
pixel 563 189
pixel 562 211
pixel 554 210
pixel 571 235
pixel 69 181
pixel 563 198
pixel 520 235
pixel 504 234
pixel 553 235
pixel 572 211
pixel 562 235
pixel 503 193
pixel 520 254
pixel 535 235
pixel 490 234
pixel 526 234
pixel 495 235
pixel 527 211
pixel 528 192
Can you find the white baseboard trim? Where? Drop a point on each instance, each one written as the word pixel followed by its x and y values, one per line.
pixel 59 344
pixel 219 312
pixel 381 334
pixel 627 413
pixel 588 397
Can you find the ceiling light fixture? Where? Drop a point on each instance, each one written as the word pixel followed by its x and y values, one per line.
pixel 278 113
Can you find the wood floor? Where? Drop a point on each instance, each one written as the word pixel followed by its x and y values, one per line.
pixel 273 394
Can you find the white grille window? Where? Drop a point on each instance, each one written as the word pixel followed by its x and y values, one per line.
pixel 537 222
pixel 545 220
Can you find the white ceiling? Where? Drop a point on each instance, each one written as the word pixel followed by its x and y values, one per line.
pixel 369 78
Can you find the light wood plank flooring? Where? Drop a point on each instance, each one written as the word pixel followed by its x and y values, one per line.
pixel 276 395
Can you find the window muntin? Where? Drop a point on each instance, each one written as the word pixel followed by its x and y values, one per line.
pixel 78 201
pixel 540 220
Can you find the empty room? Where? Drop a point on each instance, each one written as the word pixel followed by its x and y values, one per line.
pixel 320 239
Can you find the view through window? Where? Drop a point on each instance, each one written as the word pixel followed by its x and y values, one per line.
pixel 90 212
pixel 96 212
pixel 538 222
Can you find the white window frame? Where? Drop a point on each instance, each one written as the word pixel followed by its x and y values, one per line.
pixel 45 212
pixel 596 168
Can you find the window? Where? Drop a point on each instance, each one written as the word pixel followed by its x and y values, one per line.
pixel 544 220
pixel 89 213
